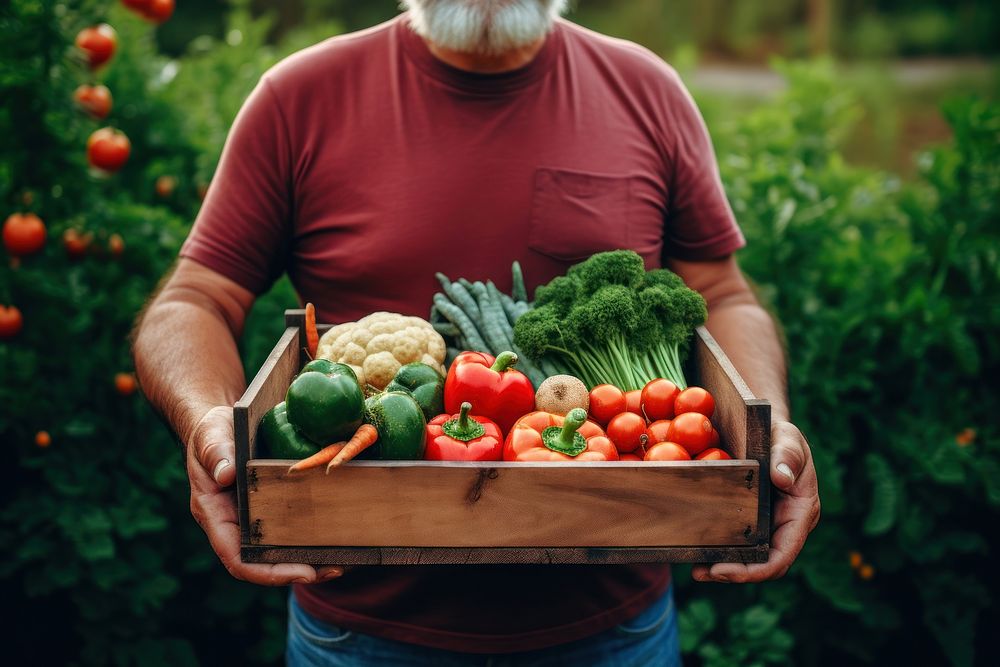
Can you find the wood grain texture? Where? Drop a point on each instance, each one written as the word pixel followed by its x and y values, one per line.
pixel 499 556
pixel 266 390
pixel 502 504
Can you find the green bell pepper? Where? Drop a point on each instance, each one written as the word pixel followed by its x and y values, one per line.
pixel 325 402
pixel 424 384
pixel 401 426
pixel 278 439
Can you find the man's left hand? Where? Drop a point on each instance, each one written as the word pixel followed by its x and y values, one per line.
pixel 795 510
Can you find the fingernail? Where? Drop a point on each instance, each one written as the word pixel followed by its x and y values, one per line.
pixel 300 580
pixel 219 467
pixel 785 470
pixel 332 575
pixel 721 578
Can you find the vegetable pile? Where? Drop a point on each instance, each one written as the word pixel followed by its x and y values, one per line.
pixel 608 320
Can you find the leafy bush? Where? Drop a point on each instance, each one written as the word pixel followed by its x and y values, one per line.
pixel 884 291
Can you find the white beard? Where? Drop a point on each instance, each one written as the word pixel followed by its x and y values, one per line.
pixel 488 27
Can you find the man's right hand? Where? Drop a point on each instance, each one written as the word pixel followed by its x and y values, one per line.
pixel 211 467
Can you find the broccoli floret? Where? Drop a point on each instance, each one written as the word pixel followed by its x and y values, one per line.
pixel 671 314
pixel 612 310
pixel 616 267
pixel 664 277
pixel 560 293
pixel 540 331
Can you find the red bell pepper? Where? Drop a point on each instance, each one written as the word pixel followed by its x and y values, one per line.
pixel 463 437
pixel 543 436
pixel 498 391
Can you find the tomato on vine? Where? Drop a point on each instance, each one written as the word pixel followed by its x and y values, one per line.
pixel 108 149
pixel 23 234
pixel 95 100
pixel 11 322
pixel 98 43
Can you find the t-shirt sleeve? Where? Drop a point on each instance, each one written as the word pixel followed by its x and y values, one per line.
pixel 699 223
pixel 243 228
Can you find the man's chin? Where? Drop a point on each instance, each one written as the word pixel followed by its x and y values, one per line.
pixel 487 27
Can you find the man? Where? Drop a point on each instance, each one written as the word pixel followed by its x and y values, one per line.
pixel 457 137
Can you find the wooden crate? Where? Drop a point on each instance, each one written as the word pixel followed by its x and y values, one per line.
pixel 435 512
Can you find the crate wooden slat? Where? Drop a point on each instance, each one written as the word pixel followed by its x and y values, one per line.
pixel 415 512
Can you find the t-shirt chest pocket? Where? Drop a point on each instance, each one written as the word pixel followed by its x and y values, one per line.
pixel 575 214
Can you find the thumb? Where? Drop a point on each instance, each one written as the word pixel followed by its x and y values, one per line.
pixel 789 455
pixel 214 445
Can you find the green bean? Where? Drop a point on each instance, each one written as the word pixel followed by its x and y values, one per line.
pixel 459 295
pixel 446 329
pixel 519 292
pixel 458 317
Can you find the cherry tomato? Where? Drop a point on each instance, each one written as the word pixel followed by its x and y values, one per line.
pixel 713 454
pixel 116 245
pixel 43 439
pixel 125 383
pixel 606 401
pixel 158 11
pixel 23 234
pixel 11 322
pixel 136 5
pixel 633 402
pixel 629 457
pixel 108 149
pixel 165 186
pixel 667 451
pixel 98 43
pixel 694 399
pixel 657 431
pixel 657 399
pixel 628 431
pixel 693 431
pixel 76 244
pixel 95 100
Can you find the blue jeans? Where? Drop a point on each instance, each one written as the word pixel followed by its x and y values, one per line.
pixel 649 639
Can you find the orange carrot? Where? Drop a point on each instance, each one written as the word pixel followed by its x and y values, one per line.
pixel 312 336
pixel 319 458
pixel 364 437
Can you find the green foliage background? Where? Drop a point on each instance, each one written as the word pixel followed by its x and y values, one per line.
pixel 886 290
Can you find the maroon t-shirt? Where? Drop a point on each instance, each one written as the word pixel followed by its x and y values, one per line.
pixel 364 164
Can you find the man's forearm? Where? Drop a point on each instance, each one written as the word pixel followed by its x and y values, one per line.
pixel 749 336
pixel 187 360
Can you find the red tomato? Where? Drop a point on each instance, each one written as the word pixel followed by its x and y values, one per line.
pixel 165 186
pixel 694 399
pixel 606 401
pixel 108 149
pixel 713 454
pixel 95 100
pixel 116 245
pixel 693 431
pixel 11 322
pixel 76 244
pixel 125 383
pixel 657 431
pixel 667 451
pixel 629 457
pixel 657 399
pixel 633 402
pixel 628 431
pixel 158 11
pixel 23 234
pixel 98 43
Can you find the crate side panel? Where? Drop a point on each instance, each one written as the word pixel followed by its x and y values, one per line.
pixel 717 375
pixel 376 504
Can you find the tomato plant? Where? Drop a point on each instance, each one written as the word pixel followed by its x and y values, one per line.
pixel 98 44
pixel 667 451
pixel 23 234
pixel 694 399
pixel 108 149
pixel 158 11
pixel 693 431
pixel 628 431
pixel 76 244
pixel 606 401
pixel 657 399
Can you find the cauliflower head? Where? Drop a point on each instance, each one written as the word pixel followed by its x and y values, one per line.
pixel 376 346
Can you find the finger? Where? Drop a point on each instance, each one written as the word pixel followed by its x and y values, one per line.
pixel 214 445
pixel 793 521
pixel 789 455
pixel 329 572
